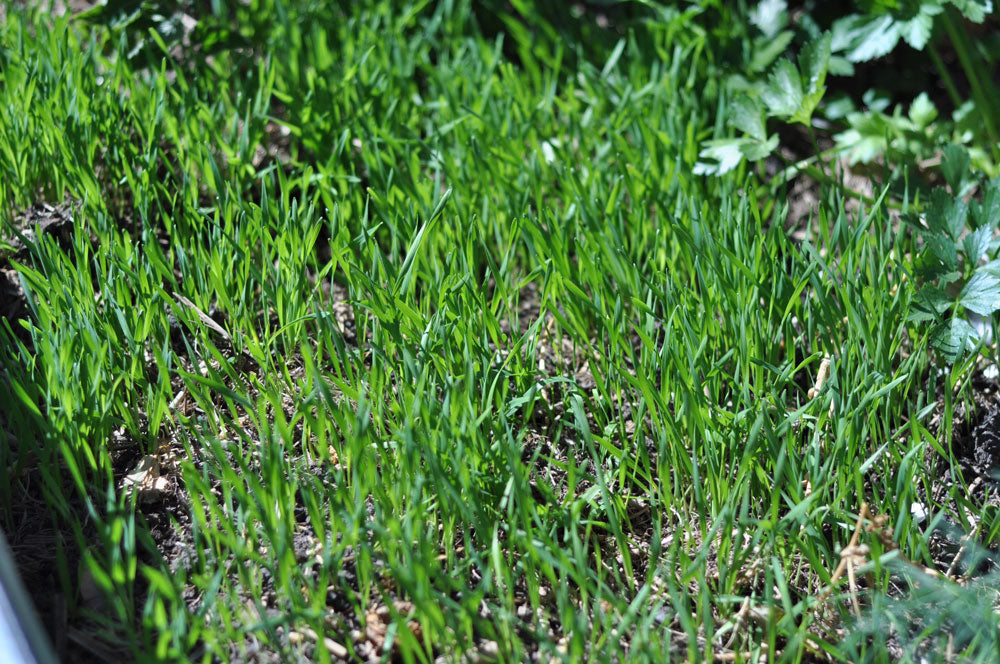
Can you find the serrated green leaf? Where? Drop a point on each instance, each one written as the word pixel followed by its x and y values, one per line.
pixel 952 338
pixel 955 165
pixel 864 38
pixel 783 93
pixel 866 139
pixel 917 30
pixel 746 114
pixel 946 214
pixel 981 293
pixel 943 248
pixel 992 267
pixel 974 10
pixel 813 62
pixel 957 213
pixel 986 213
pixel 922 111
pixel 809 104
pixel 724 155
pixel 794 93
pixel 928 267
pixel 929 303
pixel 977 243
pixel 757 150
pixel 770 16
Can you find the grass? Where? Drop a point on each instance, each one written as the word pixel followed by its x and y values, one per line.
pixel 438 349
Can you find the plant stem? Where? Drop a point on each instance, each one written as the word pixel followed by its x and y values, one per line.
pixel 819 157
pixel 985 99
pixel 949 84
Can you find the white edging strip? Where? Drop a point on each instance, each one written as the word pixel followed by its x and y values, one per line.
pixel 22 639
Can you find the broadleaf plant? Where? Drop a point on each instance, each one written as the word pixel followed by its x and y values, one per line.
pixel 791 94
pixel 863 37
pixel 957 273
pixel 864 132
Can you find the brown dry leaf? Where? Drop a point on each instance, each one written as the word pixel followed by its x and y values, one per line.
pixel 377 623
pixel 146 479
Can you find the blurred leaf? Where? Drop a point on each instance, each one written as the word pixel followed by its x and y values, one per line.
pixel 746 114
pixel 770 16
pixel 757 150
pixel 767 49
pixel 954 166
pixel 864 38
pixel 783 93
pixel 866 138
pixel 981 293
pixel 917 30
pixel 725 155
pixel 922 111
pixel 974 10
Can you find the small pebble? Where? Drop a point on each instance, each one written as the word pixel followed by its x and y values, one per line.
pixel 334 648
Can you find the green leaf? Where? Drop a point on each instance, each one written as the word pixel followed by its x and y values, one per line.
pixel 917 30
pixel 943 249
pixel 929 303
pixel 927 267
pixel 986 214
pixel 946 214
pixel 813 62
pixel 767 49
pixel 840 66
pixel 955 166
pixel 746 114
pixel 770 16
pixel 922 111
pixel 974 10
pixel 839 106
pixel 977 243
pixel 783 93
pixel 981 294
pixel 864 38
pixel 958 212
pixel 794 93
pixel 952 338
pixel 866 139
pixel 809 104
pixel 724 155
pixel 757 150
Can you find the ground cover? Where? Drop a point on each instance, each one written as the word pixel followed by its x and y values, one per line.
pixel 485 332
